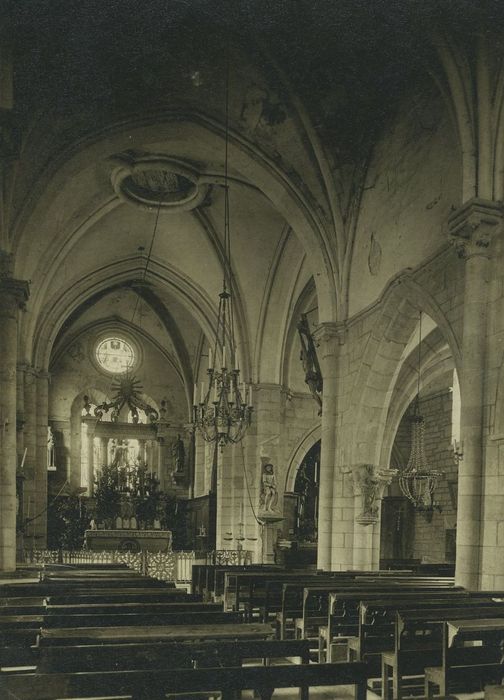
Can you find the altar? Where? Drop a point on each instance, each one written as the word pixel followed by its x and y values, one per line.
pixel 124 540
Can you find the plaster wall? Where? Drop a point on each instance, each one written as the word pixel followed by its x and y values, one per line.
pixel 412 184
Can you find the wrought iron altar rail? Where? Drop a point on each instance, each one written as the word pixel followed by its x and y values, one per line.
pixel 165 566
pixel 229 557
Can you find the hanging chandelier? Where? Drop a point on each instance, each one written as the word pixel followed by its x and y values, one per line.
pixel 223 412
pixel 417 481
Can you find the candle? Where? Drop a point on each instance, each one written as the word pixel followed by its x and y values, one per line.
pixel 195 395
pixel 210 358
pixel 24 457
pixel 250 395
pixel 223 356
pixel 202 392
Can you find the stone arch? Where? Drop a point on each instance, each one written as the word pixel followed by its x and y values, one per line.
pixel 120 273
pixel 400 401
pixel 296 457
pixel 397 319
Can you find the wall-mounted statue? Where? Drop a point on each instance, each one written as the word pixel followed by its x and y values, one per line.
pixel 269 492
pixel 50 449
pixel 178 454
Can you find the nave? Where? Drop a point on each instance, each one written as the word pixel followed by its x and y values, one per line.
pixel 251 338
pixel 103 631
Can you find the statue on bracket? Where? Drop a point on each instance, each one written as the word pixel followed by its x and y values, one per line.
pixel 178 454
pixel 51 466
pixel 269 492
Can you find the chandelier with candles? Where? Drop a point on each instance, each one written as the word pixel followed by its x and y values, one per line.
pixel 417 480
pixel 224 410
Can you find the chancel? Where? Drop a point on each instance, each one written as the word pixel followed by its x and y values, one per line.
pixel 251 348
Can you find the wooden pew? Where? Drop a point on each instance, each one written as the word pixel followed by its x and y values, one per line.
pixel 278 597
pixel 212 585
pixel 149 608
pixel 61 621
pixel 319 603
pixel 133 595
pixel 154 685
pixel 156 633
pixel 347 608
pixel 379 635
pixel 418 643
pixel 468 667
pixel 52 659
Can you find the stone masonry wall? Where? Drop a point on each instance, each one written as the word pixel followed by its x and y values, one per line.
pixel 430 532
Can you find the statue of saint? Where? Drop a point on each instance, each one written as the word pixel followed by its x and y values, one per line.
pixel 269 493
pixel 178 454
pixel 50 448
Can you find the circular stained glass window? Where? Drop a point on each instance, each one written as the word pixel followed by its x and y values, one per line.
pixel 115 355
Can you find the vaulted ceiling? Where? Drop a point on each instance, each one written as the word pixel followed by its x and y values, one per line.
pixel 118 102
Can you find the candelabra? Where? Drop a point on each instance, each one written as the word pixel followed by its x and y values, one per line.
pixel 223 413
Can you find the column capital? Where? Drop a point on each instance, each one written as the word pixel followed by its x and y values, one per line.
pixel 369 482
pixel 472 227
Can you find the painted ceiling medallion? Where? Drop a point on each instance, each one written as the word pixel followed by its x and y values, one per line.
pixel 154 181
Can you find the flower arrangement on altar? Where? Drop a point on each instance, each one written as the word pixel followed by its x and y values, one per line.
pixel 130 494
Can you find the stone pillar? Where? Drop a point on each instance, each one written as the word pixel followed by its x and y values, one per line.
pixel 13 295
pixel 90 462
pixel 471 229
pixel 30 442
pixel 42 422
pixel 327 337
pixel 104 441
pixel 369 483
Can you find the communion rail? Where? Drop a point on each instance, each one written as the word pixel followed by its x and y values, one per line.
pixel 166 566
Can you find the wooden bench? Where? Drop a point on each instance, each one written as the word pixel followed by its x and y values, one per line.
pixel 417 645
pixel 53 659
pixel 202 617
pixel 179 606
pixel 468 667
pixel 343 604
pixel 150 634
pixel 154 685
pixel 213 587
pixel 128 595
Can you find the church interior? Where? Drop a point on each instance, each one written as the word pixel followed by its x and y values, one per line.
pixel 252 348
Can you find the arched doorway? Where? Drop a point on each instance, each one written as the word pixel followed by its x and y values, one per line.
pixel 300 526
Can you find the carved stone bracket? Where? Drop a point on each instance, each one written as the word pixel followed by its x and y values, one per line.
pixel 369 483
pixel 472 227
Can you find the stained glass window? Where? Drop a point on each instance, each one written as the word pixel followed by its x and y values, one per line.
pixel 115 355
